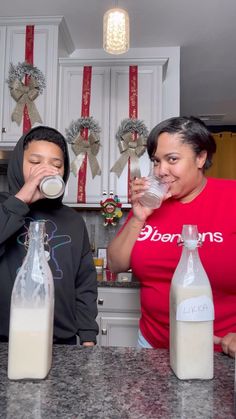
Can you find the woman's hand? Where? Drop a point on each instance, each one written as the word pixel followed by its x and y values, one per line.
pixel 227 343
pixel 138 188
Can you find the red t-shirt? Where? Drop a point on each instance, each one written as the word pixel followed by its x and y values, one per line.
pixel 155 256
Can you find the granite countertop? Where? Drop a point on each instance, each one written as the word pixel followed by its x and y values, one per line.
pixel 116 383
pixel 119 284
pixel 132 282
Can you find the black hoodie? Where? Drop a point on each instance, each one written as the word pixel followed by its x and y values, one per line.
pixel 70 257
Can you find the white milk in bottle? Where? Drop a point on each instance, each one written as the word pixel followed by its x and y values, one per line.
pixel 32 313
pixel 191 314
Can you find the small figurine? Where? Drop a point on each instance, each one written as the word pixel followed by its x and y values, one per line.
pixel 111 210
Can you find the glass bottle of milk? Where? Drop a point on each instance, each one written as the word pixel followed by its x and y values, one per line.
pixel 191 313
pixel 32 312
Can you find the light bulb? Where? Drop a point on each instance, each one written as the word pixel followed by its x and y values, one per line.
pixel 116 31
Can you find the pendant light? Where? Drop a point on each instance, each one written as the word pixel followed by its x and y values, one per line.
pixel 116 31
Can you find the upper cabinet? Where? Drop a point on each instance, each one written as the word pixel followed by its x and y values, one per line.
pixel 51 38
pixel 109 105
pixel 61 99
pixel 70 98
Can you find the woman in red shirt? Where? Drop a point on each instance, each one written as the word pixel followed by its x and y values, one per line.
pixel 181 150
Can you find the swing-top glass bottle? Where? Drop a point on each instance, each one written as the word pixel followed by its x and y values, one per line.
pixel 191 313
pixel 32 312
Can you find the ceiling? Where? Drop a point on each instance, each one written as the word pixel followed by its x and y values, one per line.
pixel 204 29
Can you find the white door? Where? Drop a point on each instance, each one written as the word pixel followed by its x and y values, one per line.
pixel 149 111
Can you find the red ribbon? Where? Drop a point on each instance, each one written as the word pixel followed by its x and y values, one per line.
pixel 85 108
pixel 133 109
pixel 29 57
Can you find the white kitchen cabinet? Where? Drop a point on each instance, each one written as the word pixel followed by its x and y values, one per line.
pixel 2 63
pixel 109 105
pixel 51 37
pixel 70 92
pixel 118 316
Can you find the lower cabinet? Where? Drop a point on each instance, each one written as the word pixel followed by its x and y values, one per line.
pixel 118 316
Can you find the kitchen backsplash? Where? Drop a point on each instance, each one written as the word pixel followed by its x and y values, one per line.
pixel 99 235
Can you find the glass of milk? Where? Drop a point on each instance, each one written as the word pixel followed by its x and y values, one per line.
pixel 154 195
pixel 52 186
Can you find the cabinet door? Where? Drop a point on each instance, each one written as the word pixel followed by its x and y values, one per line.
pixel 45 58
pixel 149 111
pixel 2 62
pixel 70 95
pixel 118 300
pixel 118 331
pixel 118 316
pixel 109 105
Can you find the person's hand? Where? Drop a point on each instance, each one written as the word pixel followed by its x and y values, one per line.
pixel 227 343
pixel 30 191
pixel 138 188
pixel 88 344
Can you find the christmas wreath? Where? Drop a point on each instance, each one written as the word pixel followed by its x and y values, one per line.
pixel 81 145
pixel 25 93
pixel 132 139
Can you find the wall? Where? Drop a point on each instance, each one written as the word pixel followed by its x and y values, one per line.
pixel 99 235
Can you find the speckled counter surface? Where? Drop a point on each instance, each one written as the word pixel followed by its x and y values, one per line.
pixel 119 284
pixel 116 383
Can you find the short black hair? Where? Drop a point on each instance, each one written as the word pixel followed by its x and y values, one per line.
pixel 192 131
pixel 43 133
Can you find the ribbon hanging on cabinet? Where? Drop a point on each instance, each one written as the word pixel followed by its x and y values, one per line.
pixel 29 57
pixel 133 112
pixel 85 109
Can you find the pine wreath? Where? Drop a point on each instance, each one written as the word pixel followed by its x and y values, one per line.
pixel 84 122
pixel 133 126
pixel 130 148
pixel 82 146
pixel 19 71
pixel 25 94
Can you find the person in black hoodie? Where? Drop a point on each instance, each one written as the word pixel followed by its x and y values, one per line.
pixel 43 152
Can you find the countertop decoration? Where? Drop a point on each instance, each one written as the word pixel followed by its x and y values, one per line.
pixel 111 210
pixel 82 146
pixel 25 93
pixel 117 383
pixel 132 139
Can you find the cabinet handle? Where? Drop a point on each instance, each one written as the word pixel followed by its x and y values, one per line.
pixel 100 301
pixel 4 130
pixel 104 331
